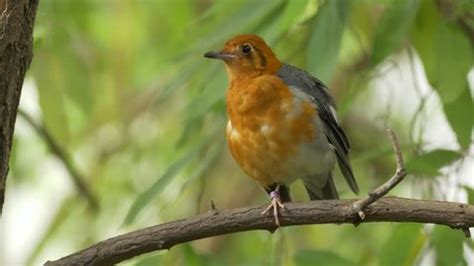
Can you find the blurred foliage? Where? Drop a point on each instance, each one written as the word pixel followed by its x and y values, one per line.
pixel 431 162
pixel 395 253
pixel 124 88
pixel 309 257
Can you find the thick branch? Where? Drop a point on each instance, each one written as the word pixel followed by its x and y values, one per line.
pixel 214 223
pixel 16 44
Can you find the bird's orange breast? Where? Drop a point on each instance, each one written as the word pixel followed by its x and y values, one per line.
pixel 267 123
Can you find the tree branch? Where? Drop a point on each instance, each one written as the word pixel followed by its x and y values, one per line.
pixel 78 180
pixel 16 43
pixel 373 208
pixel 379 192
pixel 215 222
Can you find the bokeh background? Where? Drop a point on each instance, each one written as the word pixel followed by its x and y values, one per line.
pixel 122 125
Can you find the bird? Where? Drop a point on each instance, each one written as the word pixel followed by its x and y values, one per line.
pixel 282 124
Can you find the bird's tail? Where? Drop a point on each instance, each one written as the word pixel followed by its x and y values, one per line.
pixel 327 192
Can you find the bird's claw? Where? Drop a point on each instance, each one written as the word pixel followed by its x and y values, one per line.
pixel 275 204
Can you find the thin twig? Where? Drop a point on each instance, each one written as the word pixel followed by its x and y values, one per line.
pixel 379 192
pixel 63 156
pixel 164 236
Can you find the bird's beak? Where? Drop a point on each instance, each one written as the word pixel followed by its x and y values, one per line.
pixel 219 55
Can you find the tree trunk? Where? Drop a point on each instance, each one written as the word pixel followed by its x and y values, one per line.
pixel 17 18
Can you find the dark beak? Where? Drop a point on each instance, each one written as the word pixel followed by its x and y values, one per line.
pixel 219 55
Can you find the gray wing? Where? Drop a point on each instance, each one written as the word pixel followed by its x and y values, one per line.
pixel 312 86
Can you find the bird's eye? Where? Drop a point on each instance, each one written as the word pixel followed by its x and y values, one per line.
pixel 246 49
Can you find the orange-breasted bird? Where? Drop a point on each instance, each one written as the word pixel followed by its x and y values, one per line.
pixel 282 123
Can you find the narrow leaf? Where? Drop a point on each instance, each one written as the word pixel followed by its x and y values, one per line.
pixel 429 163
pixel 393 28
pixel 243 19
pixel 146 197
pixel 52 97
pixel 325 38
pixel 403 246
pixel 447 57
pixel 191 257
pixel 460 116
pixel 470 194
pixel 289 16
pixel 447 60
pixel 448 244
pixel 151 260
pixel 313 257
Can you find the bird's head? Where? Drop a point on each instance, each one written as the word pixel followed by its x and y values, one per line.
pixel 246 56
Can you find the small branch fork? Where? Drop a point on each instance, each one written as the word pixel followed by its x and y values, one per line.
pixel 373 208
pixel 379 192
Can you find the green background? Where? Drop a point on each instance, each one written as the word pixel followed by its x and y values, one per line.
pixel 123 88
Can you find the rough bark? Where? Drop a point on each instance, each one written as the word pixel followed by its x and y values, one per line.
pixel 215 222
pixel 16 44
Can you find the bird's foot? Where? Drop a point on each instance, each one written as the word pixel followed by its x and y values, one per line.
pixel 276 204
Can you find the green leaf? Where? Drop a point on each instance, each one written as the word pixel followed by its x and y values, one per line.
pixel 423 34
pixel 393 27
pixel 452 63
pixel 52 97
pixel 457 113
pixel 202 103
pixel 430 163
pixel 79 86
pixel 242 19
pixel 146 197
pixel 325 39
pixel 206 163
pixel 191 257
pixel 447 57
pixel 293 11
pixel 290 15
pixel 151 260
pixel 445 52
pixel 312 257
pixel 470 194
pixel 403 246
pixel 448 245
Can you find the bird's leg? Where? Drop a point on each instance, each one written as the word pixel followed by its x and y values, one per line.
pixel 275 204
